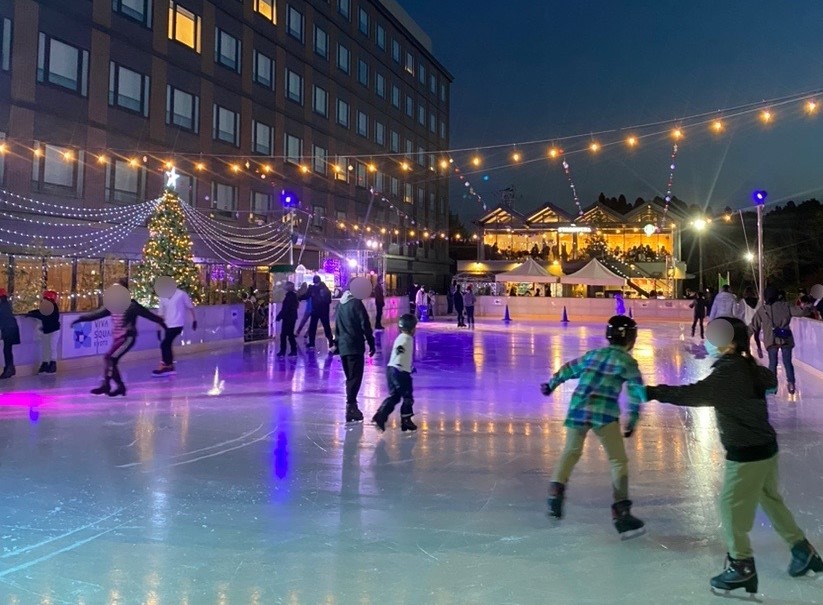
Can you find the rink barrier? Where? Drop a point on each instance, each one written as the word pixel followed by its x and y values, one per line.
pixel 551 308
pixel 808 339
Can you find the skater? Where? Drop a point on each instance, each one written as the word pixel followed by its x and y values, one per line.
pixel 379 303
pixel 619 304
pixel 736 389
pixel 594 406
pixel 420 302
pixel 124 335
pixel 320 297
pixel 352 331
pixel 459 306
pixel 399 375
pixel 9 333
pixel 699 306
pixel 49 317
pixel 469 300
pixel 173 310
pixel 288 315
pixel 450 299
pixel 774 320
pixel 306 310
pixel 724 304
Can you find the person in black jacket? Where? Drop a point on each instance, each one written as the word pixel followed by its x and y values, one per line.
pixel 353 330
pixel 459 306
pixel 320 297
pixel 50 322
pixel 10 333
pixel 699 306
pixel 124 335
pixel 736 389
pixel 379 303
pixel 288 315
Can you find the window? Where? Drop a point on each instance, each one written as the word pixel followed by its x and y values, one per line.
pixel 124 183
pixel 421 196
pixel 321 42
pixel 182 109
pixel 128 89
pixel 62 65
pixel 321 102
pixel 407 194
pixel 380 85
pixel 262 138
pixel 421 74
pixel 362 124
pixel 432 123
pixel 319 162
pixel 433 84
pixel 318 217
pixel 380 37
pixel 395 185
pixel 379 182
pixel 344 8
pixel 226 125
pixel 443 91
pixel 395 96
pixel 186 188
pixel 409 107
pixel 138 10
pixel 294 23
pixel 420 158
pixel 184 26
pixel 421 115
pixel 5 44
pixel 432 203
pixel 294 149
pixel 263 70
pixel 442 129
pixel 341 172
pixel 294 86
pixel 363 72
pixel 260 202
pixel 342 113
pixel 409 148
pixel 395 51
pixel 267 8
pixel 409 63
pixel 379 133
pixel 360 175
pixel 227 50
pixel 343 58
pixel 363 21
pixel 59 170
pixel 395 142
pixel 223 197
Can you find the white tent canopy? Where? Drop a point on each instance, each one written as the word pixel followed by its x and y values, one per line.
pixel 594 274
pixel 529 271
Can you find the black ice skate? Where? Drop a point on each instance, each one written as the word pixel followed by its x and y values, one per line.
pixel 557 493
pixel 120 391
pixel 44 367
pixel 739 573
pixel 353 413
pixel 380 419
pixel 804 559
pixel 626 525
pixel 103 389
pixel 52 369
pixel 406 424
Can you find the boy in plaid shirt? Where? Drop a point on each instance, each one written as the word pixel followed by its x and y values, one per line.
pixel 594 406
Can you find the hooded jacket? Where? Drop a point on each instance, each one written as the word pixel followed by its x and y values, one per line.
pixel 9 330
pixel 289 308
pixel 775 315
pixel 320 297
pixel 724 305
pixel 352 328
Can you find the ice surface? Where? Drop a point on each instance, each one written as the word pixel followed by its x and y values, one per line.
pixel 261 494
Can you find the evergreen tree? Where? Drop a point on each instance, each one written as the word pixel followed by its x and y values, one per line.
pixel 168 252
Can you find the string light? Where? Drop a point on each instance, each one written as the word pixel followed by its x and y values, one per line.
pixel 594 147
pixel 717 126
pixel 677 134
pixel 102 159
pixel 235 168
pixel 766 116
pixel 3 148
pixel 669 184
pixel 568 173
pixel 199 166
pixel 631 141
pixel 37 152
pixel 554 153
pixel 811 107
pixel 516 157
pixel 476 161
pixel 444 164
pixel 134 162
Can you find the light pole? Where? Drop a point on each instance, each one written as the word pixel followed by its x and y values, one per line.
pixel 759 201
pixel 700 225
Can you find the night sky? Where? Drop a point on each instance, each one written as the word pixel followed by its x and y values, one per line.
pixel 535 69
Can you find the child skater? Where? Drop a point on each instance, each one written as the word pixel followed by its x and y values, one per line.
pixel 736 389
pixel 400 378
pixel 594 406
pixel 49 317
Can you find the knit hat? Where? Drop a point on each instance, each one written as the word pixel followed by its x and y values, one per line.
pixel 3 292
pixel 50 295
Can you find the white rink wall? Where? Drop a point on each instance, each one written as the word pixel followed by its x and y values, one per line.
pixel 539 307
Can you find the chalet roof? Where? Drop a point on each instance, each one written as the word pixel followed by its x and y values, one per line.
pixel 549 213
pixel 503 215
pixel 599 213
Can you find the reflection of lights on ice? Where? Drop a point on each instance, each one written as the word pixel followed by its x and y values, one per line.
pixel 217 385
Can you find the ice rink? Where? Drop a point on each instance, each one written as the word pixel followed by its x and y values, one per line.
pixel 189 491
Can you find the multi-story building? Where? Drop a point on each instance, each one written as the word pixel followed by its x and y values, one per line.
pixel 340 101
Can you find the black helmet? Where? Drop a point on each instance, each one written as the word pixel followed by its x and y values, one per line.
pixel 407 322
pixel 621 331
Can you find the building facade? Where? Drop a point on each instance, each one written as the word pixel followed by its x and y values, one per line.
pixel 339 101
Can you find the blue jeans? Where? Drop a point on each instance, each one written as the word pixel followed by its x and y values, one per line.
pixel 787 361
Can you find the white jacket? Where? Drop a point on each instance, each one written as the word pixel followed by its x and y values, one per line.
pixel 724 305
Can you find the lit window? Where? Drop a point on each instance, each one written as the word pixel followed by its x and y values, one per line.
pixel 342 113
pixel 380 86
pixel 227 50
pixel 321 42
pixel 380 37
pixel 267 8
pixel 362 124
pixel 63 65
pixel 360 175
pixel 407 193
pixel 321 101
pixel 395 142
pixel 363 21
pixel 342 174
pixel 294 23
pixel 343 58
pixel 137 10
pixel 124 182
pixel 262 135
pixel 223 197
pixel 410 63
pixel 294 149
pixel 53 173
pixel 263 70
pixel 363 72
pixel 128 89
pixel 226 125
pixel 184 26
pixel 319 162
pixel 344 8
pixel 379 133
pixel 5 44
pixel 182 109
pixel 319 217
pixel 294 86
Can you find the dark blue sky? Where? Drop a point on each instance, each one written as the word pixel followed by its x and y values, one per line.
pixel 534 69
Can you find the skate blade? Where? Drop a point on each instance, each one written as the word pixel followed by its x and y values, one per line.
pixel 751 597
pixel 632 534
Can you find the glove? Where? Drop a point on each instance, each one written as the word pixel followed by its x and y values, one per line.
pixel 546 389
pixel 760 353
pixel 371 351
pixel 194 325
pixel 630 427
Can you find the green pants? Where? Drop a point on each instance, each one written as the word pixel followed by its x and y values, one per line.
pixel 745 485
pixel 611 438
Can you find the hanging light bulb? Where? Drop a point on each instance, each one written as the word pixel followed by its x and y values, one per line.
pixel 444 164
pixel 677 133
pixel 102 159
pixel 811 107
pixel 594 147
pixel 516 157
pixel 200 166
pixel 717 126
pixel 68 155
pixel 631 141
pixel 766 116
pixel 554 152
pixel 476 161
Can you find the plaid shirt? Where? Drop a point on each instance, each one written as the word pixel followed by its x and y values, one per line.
pixel 602 373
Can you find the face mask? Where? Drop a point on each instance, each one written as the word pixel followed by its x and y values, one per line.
pixel 712 350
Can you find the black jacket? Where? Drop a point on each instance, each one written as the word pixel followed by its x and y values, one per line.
pixel 51 323
pixel 739 400
pixel 320 297
pixel 134 311
pixel 352 328
pixel 458 301
pixel 9 329
pixel 699 306
pixel 379 295
pixel 288 311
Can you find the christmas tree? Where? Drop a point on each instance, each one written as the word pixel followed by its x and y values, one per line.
pixel 168 251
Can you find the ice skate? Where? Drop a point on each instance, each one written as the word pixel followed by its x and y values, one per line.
pixel 380 419
pixel 627 525
pixel 164 370
pixel 792 390
pixel 353 413
pixel 739 573
pixel 8 372
pixel 44 367
pixel 406 424
pixel 52 369
pixel 805 559
pixel 557 494
pixel 103 389
pixel 120 391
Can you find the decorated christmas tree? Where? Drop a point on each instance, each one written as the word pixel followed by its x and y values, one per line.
pixel 168 251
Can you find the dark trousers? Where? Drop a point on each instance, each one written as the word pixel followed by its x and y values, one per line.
pixel 400 387
pixel 8 354
pixel 353 366
pixel 787 361
pixel 166 345
pixel 460 322
pixel 323 319
pixel 449 306
pixel 287 333
pixel 378 317
pixel 119 348
pixel 304 321
pixel 694 326
pixel 470 316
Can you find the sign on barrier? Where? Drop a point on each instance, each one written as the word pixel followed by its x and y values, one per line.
pixel 87 338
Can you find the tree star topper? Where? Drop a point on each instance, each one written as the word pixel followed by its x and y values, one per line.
pixel 171 179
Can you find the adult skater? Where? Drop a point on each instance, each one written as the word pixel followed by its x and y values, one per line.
pixel 320 297
pixel 459 306
pixel 469 300
pixel 379 303
pixel 594 406
pixel 49 317
pixel 724 304
pixel 288 317
pixel 10 333
pixel 736 389
pixel 619 304
pixel 175 305
pixel 699 306
pixel 124 335
pixel 450 299
pixel 352 331
pixel 306 310
pixel 420 302
pixel 399 375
